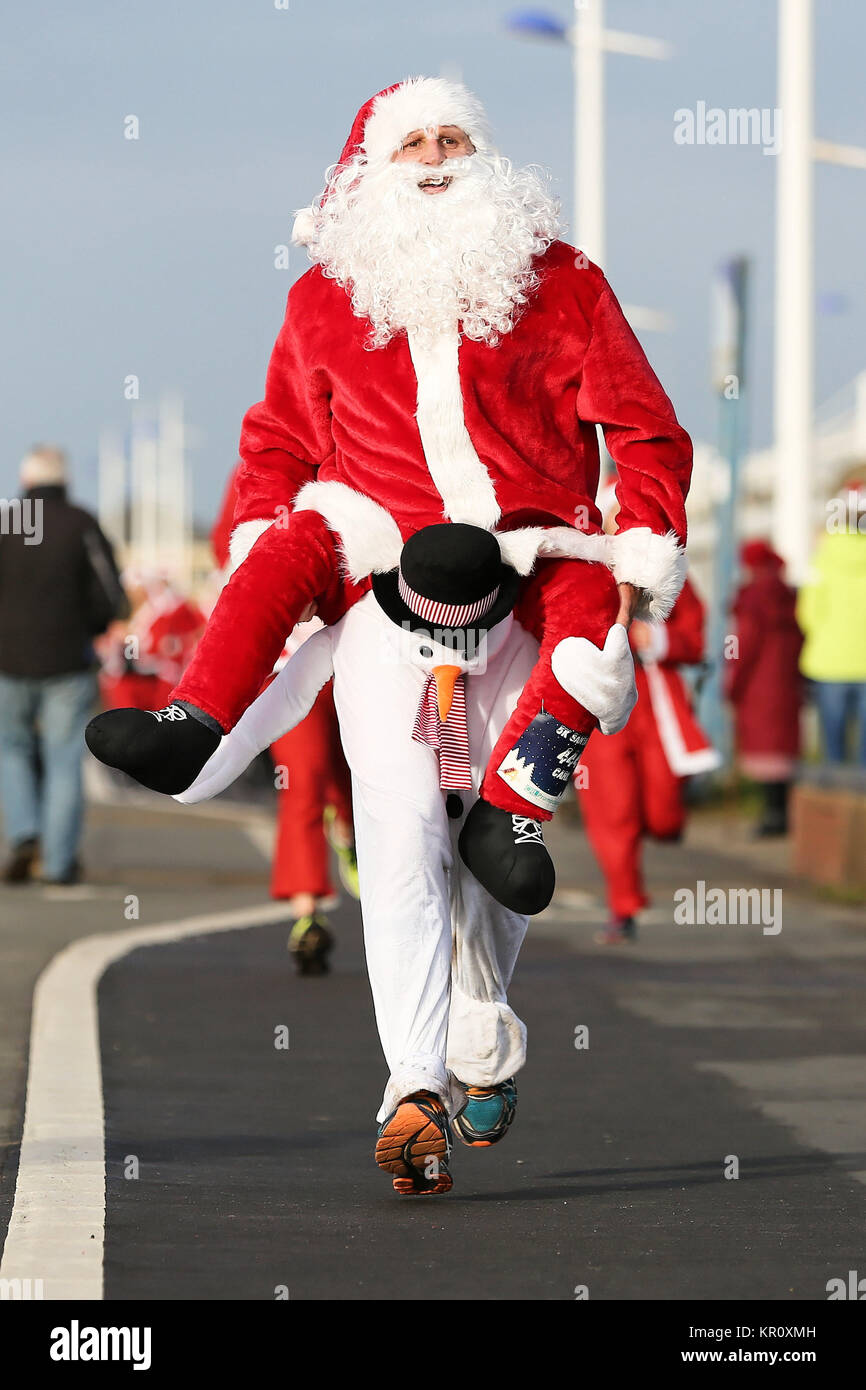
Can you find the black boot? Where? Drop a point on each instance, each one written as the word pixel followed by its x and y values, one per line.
pixel 774 820
pixel 507 855
pixel 19 868
pixel 164 749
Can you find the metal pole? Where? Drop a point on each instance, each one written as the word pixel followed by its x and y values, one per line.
pixel 729 357
pixel 794 350
pixel 588 59
pixel 172 498
pixel 112 488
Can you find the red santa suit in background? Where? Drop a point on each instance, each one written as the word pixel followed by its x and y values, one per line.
pixel 164 628
pixel 630 784
pixel 310 759
pixel 764 683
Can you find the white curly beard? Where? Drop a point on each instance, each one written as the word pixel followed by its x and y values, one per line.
pixel 424 262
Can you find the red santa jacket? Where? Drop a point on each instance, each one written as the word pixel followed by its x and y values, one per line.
pixel 382 442
pixel 663 696
pixel 764 682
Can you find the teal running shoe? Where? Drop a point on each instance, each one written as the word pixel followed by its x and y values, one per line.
pixel 487 1114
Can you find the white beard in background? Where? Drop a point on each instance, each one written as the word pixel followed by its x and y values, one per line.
pixel 422 262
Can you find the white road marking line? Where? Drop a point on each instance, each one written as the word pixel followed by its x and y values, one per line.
pixel 261 835
pixel 57 1228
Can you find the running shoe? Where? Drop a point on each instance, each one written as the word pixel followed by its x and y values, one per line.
pixel 347 859
pixel 310 943
pixel 618 932
pixel 414 1146
pixel 21 865
pixel 488 1112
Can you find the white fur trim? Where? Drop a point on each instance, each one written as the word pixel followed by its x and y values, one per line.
pixel 304 226
pixel 656 564
pixel 242 540
pixel 681 761
pixel 458 474
pixel 422 103
pixel 521 548
pixel 369 537
pixel 371 542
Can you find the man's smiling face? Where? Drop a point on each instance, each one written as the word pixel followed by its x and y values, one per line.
pixel 433 148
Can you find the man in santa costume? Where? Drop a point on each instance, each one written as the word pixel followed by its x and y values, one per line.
pixel 447 358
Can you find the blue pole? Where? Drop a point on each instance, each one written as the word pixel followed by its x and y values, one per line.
pixel 729 385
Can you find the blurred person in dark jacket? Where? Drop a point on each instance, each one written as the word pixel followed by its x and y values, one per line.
pixel 763 681
pixel 59 588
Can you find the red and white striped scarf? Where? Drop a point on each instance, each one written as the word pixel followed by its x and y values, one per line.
pixel 450 737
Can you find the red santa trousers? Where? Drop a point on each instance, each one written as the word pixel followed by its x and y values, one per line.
pixel 313 775
pixel 298 563
pixel 290 566
pixel 626 790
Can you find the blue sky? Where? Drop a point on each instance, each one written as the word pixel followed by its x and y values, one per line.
pixel 155 256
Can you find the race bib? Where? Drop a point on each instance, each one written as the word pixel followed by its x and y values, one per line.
pixel 540 765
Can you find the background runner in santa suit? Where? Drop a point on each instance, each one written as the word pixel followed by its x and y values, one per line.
pixel 631 784
pixel 314 799
pixel 447 357
pixel 166 627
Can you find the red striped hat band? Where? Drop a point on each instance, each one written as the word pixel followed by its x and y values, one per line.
pixel 445 614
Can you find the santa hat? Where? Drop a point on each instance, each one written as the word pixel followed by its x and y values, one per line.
pixel 759 554
pixel 383 122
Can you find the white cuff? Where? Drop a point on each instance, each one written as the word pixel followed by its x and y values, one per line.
pixel 656 564
pixel 242 540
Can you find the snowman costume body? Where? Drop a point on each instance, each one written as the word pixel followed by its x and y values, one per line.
pixel 440 950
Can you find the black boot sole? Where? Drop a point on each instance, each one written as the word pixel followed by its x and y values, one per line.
pixel 519 877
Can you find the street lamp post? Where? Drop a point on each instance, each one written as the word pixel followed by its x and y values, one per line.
pixel 589 41
pixel 795 298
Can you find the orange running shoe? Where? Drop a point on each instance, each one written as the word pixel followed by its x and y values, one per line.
pixel 414 1146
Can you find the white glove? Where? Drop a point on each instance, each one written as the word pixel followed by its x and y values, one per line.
pixel 600 679
pixel 286 701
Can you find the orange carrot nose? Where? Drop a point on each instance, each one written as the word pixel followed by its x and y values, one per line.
pixel 446 678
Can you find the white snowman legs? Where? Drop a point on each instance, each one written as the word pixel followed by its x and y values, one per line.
pixel 486 1039
pixel 403 861
pixel 440 951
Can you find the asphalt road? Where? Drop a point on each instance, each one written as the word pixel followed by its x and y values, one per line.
pixel 240 1170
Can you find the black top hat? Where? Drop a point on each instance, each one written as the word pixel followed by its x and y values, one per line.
pixel 452 578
